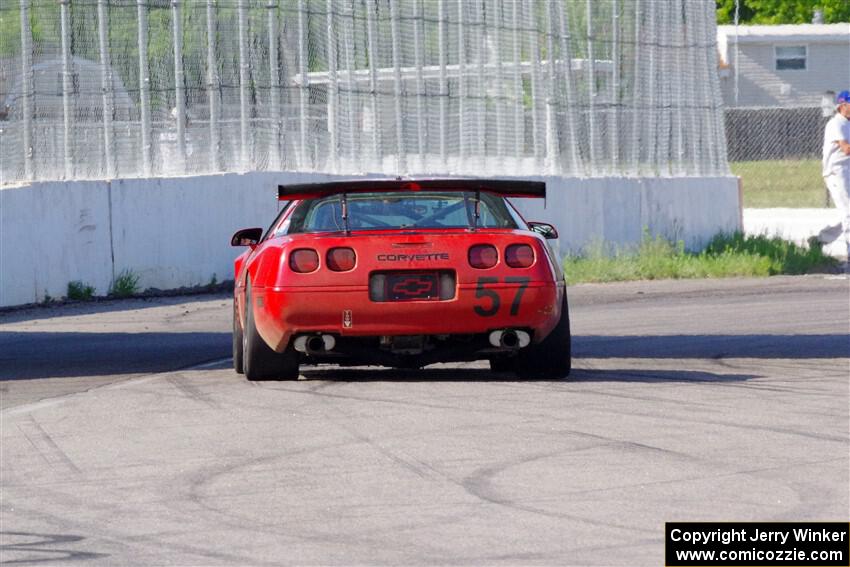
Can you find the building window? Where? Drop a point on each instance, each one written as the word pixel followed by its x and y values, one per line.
pixel 790 58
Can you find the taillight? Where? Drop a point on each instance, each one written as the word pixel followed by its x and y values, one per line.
pixel 519 256
pixel 304 260
pixel 483 256
pixel 340 259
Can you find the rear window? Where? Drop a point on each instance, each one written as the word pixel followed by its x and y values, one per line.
pixel 382 211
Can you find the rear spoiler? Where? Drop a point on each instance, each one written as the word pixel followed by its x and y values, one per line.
pixel 503 187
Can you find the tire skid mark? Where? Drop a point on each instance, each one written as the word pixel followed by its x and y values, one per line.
pixel 754 427
pixel 746 427
pixel 191 391
pixel 318 393
pixel 421 469
pixel 480 485
pixel 238 521
pixel 687 479
pixel 46 446
pixel 120 383
pixel 396 401
pixel 119 539
pixel 37 545
pixel 206 476
pixel 469 485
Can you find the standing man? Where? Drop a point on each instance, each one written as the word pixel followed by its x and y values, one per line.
pixel 836 166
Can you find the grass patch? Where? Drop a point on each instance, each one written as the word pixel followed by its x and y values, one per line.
pixel 126 284
pixel 80 291
pixel 781 183
pixel 725 256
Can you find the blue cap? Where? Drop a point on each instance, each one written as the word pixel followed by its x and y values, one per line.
pixel 842 98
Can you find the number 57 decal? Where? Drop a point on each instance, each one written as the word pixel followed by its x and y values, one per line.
pixel 495 301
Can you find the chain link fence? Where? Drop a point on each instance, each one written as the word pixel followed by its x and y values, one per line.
pixel 778 84
pixel 777 153
pixel 122 88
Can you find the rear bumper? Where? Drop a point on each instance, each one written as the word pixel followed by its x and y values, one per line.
pixel 282 313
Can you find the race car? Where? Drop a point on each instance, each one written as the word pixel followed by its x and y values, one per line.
pixel 400 273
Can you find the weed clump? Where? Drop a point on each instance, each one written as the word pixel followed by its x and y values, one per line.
pixel 126 284
pixel 733 255
pixel 80 291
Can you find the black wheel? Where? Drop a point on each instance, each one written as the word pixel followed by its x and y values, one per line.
pixel 259 361
pixel 237 341
pixel 551 358
pixel 502 364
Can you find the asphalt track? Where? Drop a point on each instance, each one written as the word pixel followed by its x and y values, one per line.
pixel 127 440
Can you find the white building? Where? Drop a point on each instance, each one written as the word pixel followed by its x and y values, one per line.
pixel 784 65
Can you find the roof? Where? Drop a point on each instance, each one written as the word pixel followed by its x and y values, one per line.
pixel 784 33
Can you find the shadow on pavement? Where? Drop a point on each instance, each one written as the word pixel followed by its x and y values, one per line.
pixel 29 356
pixel 374 374
pixel 34 355
pixel 713 346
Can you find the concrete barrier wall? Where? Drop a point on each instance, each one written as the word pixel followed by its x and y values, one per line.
pixel 175 232
pixel 52 233
pixel 616 211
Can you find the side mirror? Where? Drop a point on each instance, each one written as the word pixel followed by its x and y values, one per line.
pixel 247 237
pixel 544 229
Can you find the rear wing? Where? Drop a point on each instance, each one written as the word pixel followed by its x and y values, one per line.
pixel 503 187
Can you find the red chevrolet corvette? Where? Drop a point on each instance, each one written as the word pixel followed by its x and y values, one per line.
pixel 402 274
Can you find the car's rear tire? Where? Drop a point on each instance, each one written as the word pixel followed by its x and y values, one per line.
pixel 551 358
pixel 237 341
pixel 259 361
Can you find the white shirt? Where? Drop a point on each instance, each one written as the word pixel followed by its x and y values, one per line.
pixel 838 128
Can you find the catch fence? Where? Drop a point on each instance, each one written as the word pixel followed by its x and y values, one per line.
pixel 124 88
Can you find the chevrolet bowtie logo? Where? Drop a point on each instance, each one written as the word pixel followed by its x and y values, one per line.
pixel 413 287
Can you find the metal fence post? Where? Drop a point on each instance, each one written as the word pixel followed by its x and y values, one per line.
pixel 353 130
pixel 67 87
pixel 106 85
pixel 420 84
pixel 212 87
pixel 333 89
pixel 591 88
pixel 244 69
pixel 519 112
pixel 650 95
pixel 534 54
pixel 693 63
pixel 179 85
pixel 569 98
pixel 663 140
pixel 28 88
pixel 613 133
pixel 276 158
pixel 372 49
pixel 304 90
pixel 680 54
pixel 719 161
pixel 144 87
pixel 499 102
pixel 401 158
pixel 552 146
pixel 481 91
pixel 638 92
pixel 442 36
pixel 461 79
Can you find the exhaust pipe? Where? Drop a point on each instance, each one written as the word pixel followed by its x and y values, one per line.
pixel 510 339
pixel 314 344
